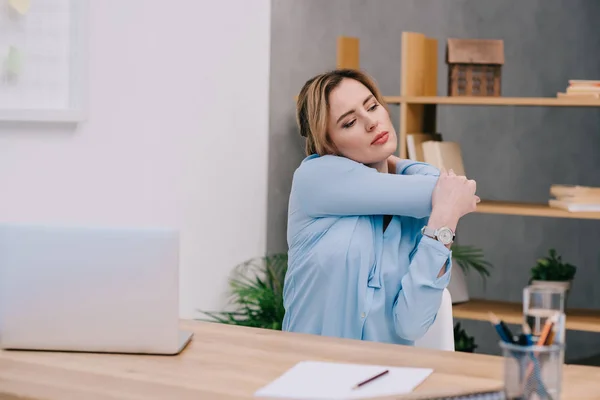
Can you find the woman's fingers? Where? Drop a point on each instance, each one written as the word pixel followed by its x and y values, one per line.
pixel 473 185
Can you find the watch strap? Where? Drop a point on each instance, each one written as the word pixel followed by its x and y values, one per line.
pixel 433 233
pixel 428 231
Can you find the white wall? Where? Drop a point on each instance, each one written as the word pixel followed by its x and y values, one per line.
pixel 177 135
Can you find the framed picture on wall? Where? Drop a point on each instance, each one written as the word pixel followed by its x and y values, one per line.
pixel 43 60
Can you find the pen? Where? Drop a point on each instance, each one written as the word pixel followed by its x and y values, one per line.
pixel 546 336
pixel 371 379
pixel 558 329
pixel 503 331
pixel 525 337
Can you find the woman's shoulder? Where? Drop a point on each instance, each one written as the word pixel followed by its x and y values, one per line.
pixel 328 159
pixel 327 164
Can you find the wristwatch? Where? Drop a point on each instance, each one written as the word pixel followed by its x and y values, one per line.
pixel 443 234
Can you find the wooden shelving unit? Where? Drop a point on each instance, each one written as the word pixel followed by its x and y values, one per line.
pixel 512 313
pixel 418 101
pixel 494 101
pixel 531 210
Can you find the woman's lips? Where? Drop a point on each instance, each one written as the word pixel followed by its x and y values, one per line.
pixel 381 138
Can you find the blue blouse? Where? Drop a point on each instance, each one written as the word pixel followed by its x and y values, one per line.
pixel 346 276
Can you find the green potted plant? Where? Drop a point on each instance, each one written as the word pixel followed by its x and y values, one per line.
pixel 256 294
pixel 467 258
pixel 553 272
pixel 462 341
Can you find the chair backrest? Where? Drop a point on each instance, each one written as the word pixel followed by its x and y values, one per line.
pixel 440 335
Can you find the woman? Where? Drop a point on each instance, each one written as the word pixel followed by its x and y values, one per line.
pixel 360 263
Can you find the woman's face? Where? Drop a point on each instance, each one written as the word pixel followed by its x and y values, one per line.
pixel 358 125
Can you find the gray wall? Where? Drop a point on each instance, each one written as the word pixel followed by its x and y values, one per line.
pixel 514 153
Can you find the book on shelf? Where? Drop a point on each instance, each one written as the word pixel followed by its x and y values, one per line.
pixel 444 154
pixel 584 82
pixel 575 198
pixel 578 95
pixel 574 191
pixel 580 88
pixel 414 142
pixel 574 207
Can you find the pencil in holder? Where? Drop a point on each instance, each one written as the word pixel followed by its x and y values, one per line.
pixel 532 372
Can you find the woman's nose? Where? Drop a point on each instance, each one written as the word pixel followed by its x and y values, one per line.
pixel 371 124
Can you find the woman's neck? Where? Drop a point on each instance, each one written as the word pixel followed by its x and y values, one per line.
pixel 381 166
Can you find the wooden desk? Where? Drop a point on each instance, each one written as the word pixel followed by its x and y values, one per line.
pixel 227 362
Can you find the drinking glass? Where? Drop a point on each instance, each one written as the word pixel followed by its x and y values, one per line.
pixel 539 304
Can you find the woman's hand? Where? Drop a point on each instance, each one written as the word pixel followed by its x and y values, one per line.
pixel 453 197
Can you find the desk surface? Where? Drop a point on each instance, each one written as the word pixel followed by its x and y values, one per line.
pixel 228 362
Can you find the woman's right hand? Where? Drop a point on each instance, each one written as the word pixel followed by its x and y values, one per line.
pixel 453 197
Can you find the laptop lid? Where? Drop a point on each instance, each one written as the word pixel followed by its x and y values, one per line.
pixel 89 289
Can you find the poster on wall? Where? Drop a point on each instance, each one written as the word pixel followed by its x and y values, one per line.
pixel 43 47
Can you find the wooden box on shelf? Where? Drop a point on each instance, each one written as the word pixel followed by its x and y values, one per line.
pixel 474 67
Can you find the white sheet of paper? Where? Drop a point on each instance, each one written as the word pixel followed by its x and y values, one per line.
pixel 324 380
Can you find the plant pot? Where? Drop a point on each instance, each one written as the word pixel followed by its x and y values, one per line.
pixel 457 287
pixel 562 285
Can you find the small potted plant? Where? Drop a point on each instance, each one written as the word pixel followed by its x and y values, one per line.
pixel 462 341
pixel 467 258
pixel 256 294
pixel 553 272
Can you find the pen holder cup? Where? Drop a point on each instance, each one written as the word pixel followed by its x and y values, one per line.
pixel 532 372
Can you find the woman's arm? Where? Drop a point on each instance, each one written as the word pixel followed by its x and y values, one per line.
pixel 410 167
pixel 337 186
pixel 420 295
pixel 419 298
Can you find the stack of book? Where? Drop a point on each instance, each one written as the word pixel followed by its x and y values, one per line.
pixel 575 198
pixel 432 149
pixel 581 89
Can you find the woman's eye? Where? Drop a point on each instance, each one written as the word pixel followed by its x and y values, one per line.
pixel 349 124
pixel 373 107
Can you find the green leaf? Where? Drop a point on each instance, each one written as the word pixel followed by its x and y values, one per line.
pixel 469 257
pixel 552 268
pixel 256 287
pixel 462 341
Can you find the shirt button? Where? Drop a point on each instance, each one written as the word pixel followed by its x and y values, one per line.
pixel 363 315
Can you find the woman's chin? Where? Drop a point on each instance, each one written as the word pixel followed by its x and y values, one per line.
pixel 388 149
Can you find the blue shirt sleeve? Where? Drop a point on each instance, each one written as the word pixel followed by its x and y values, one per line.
pixel 337 186
pixel 410 167
pixel 420 295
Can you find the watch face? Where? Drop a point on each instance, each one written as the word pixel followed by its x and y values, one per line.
pixel 445 236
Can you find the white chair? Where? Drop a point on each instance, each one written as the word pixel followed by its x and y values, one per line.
pixel 440 335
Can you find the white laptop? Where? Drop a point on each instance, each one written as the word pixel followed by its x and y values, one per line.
pixel 90 289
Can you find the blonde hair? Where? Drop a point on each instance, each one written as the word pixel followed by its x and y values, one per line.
pixel 312 107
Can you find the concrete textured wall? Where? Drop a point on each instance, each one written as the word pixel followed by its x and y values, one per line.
pixel 514 153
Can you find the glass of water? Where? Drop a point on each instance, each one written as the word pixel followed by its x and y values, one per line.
pixel 541 303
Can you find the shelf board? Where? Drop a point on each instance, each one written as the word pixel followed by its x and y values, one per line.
pixel 530 209
pixel 512 313
pixel 494 101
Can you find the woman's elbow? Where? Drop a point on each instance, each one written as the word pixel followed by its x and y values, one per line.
pixel 412 330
